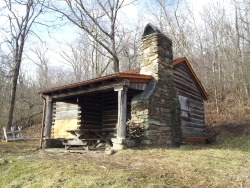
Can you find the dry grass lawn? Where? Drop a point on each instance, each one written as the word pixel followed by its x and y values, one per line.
pixel 224 165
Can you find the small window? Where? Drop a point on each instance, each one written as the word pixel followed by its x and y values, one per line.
pixel 184 103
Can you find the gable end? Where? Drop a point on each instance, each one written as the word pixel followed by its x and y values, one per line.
pixel 183 62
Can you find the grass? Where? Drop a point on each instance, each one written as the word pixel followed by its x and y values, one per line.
pixel 238 143
pixel 223 165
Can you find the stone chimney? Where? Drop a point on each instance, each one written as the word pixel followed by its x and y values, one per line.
pixel 156 52
pixel 157 107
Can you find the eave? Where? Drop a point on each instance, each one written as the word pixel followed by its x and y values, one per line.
pixel 135 78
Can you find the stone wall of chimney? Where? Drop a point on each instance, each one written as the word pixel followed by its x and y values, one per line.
pixel 157 108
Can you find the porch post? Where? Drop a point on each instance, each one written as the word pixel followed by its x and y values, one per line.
pixel 118 143
pixel 48 117
pixel 122 113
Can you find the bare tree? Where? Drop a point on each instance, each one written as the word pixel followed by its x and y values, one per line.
pixel 5 80
pixel 41 60
pixel 21 15
pixel 98 18
pixel 85 58
pixel 171 18
pixel 129 47
pixel 241 41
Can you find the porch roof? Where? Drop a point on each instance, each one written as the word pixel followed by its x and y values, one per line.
pixel 132 75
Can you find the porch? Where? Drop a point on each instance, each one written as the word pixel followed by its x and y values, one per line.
pixel 98 104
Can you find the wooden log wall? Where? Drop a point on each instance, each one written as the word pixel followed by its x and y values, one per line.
pixel 109 109
pixel 65 117
pixel 193 123
pixel 101 111
pixel 91 111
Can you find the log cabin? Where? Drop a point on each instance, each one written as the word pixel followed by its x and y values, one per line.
pixel 163 95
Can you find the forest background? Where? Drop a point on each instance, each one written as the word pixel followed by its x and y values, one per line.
pixel 45 44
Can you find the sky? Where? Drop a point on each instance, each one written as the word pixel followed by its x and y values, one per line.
pixel 56 38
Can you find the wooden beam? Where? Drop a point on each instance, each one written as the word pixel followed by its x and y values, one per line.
pixel 122 112
pixel 48 117
pixel 138 86
pixel 193 139
pixel 94 88
pixel 120 86
pixel 83 91
pixel 42 126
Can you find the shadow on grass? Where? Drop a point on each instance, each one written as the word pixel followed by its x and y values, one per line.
pixel 238 143
pixel 229 136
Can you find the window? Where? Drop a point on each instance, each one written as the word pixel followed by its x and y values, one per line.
pixel 184 103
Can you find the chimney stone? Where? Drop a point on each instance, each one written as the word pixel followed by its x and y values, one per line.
pixel 159 100
pixel 156 52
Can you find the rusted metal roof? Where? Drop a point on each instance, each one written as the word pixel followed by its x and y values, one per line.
pixel 132 75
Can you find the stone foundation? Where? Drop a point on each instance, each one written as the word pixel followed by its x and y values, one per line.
pixel 119 144
pixel 53 143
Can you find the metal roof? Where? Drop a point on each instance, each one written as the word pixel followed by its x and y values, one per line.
pixel 135 77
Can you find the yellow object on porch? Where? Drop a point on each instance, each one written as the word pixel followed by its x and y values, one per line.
pixel 60 127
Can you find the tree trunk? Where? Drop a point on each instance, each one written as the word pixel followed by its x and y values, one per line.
pixel 13 93
pixel 116 64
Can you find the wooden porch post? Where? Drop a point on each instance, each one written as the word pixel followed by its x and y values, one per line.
pixel 122 113
pixel 118 143
pixel 48 117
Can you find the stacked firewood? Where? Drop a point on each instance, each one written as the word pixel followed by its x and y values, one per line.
pixel 134 130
